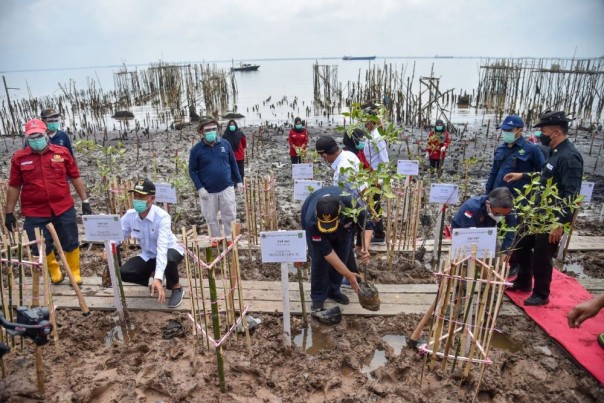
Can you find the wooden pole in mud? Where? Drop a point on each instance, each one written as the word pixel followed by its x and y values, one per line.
pixel 216 321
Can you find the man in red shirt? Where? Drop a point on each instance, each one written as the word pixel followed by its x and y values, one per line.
pixel 38 174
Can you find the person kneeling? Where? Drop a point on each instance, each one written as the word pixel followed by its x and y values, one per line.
pixel 161 253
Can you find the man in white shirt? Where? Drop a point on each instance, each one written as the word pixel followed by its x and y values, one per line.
pixel 161 253
pixel 376 152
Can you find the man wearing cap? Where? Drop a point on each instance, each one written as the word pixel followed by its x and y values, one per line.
pixel 213 169
pixel 161 253
pixel 329 239
pixel 516 154
pixel 565 167
pixel 52 118
pixel 437 144
pixel 38 177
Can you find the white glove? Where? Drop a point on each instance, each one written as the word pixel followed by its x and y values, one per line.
pixel 427 155
pixel 203 194
pixel 442 149
pixel 240 186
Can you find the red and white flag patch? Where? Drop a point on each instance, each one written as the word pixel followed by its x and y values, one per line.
pixel 316 238
pixel 468 214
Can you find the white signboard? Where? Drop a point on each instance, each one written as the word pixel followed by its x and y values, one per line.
pixel 283 246
pixel 101 228
pixel 302 188
pixel 302 171
pixel 165 193
pixel 587 189
pixel 407 167
pixel 444 193
pixel 462 240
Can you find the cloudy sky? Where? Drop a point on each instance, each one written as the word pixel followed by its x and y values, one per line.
pixel 40 34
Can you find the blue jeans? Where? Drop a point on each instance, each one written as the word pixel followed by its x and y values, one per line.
pixel 65 225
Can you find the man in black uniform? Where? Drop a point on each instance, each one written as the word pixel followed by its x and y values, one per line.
pixel 565 167
pixel 329 236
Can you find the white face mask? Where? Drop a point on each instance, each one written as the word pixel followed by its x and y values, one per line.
pixel 495 218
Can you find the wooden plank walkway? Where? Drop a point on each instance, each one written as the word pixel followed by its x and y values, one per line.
pixel 265 297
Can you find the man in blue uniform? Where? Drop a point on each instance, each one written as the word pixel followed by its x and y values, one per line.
pixel 214 171
pixel 329 236
pixel 52 118
pixel 516 154
pixel 488 211
pixel 565 167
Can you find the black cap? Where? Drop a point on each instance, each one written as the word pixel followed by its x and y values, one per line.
pixel 549 118
pixel 326 144
pixel 143 187
pixel 328 213
pixel 49 113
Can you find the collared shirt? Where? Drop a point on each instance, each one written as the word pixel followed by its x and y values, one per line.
pixel 60 138
pixel 154 236
pixel 376 149
pixel 522 156
pixel 42 179
pixel 344 161
pixel 473 214
pixel 213 167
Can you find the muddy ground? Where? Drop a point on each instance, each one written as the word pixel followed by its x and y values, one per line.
pixel 358 360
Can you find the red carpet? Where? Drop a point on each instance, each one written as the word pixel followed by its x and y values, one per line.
pixel 581 343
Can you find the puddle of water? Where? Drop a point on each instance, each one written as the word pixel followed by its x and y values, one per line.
pixel 577 268
pixel 378 360
pixel 396 342
pixel 312 340
pixel 504 341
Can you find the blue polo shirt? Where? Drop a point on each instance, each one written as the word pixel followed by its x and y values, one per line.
pixel 213 167
pixel 61 139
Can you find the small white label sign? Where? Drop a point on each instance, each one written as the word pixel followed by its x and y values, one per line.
pixel 302 188
pixel 587 189
pixel 101 228
pixel 407 167
pixel 302 171
pixel 165 193
pixel 283 246
pixel 462 240
pixel 444 193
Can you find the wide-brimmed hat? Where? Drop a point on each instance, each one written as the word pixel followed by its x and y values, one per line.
pixel 328 213
pixel 143 187
pixel 549 118
pixel 49 113
pixel 205 120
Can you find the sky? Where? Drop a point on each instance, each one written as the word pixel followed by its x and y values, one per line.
pixel 45 34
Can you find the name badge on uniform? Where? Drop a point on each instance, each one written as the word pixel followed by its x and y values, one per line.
pixel 57 158
pixel 549 166
pixel 222 149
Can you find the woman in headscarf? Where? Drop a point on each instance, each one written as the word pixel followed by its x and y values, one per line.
pixel 438 142
pixel 238 143
pixel 298 141
pixel 355 143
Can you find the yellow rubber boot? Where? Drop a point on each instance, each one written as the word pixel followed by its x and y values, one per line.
pixel 73 259
pixel 56 276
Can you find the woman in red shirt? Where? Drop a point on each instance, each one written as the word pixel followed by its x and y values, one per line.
pixel 298 141
pixel 438 142
pixel 238 143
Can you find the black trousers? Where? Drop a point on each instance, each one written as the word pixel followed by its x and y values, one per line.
pixel 137 271
pixel 435 164
pixel 296 159
pixel 535 255
pixel 241 166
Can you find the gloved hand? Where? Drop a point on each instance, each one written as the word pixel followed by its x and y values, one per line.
pixel 240 186
pixel 86 210
pixel 442 149
pixel 10 221
pixel 204 194
pixel 427 155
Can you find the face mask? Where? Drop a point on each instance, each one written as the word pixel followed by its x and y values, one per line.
pixel 298 127
pixel 232 128
pixel 439 128
pixel 545 140
pixel 538 133
pixel 210 137
pixel 53 127
pixel 360 145
pixel 38 144
pixel 495 218
pixel 508 137
pixel 139 205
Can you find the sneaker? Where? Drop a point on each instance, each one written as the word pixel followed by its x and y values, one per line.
pixel 317 306
pixel 535 300
pixel 518 287
pixel 340 299
pixel 378 241
pixel 345 283
pixel 178 294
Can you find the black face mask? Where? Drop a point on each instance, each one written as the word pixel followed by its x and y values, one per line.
pixel 545 140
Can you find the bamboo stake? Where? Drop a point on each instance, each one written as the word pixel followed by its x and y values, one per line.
pixel 236 231
pixel 192 289
pixel 216 321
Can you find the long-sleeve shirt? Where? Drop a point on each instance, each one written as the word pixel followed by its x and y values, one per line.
pixel 436 141
pixel 522 156
pixel 347 160
pixel 154 235
pixel 473 213
pixel 213 167
pixel 376 149
pixel 238 142
pixel 297 139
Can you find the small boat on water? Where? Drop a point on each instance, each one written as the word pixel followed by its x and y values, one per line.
pixel 358 58
pixel 246 67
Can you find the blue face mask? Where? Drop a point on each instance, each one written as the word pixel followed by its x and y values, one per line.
pixel 298 127
pixel 232 128
pixel 38 144
pixel 538 133
pixel 439 128
pixel 210 137
pixel 53 126
pixel 360 145
pixel 139 205
pixel 508 137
